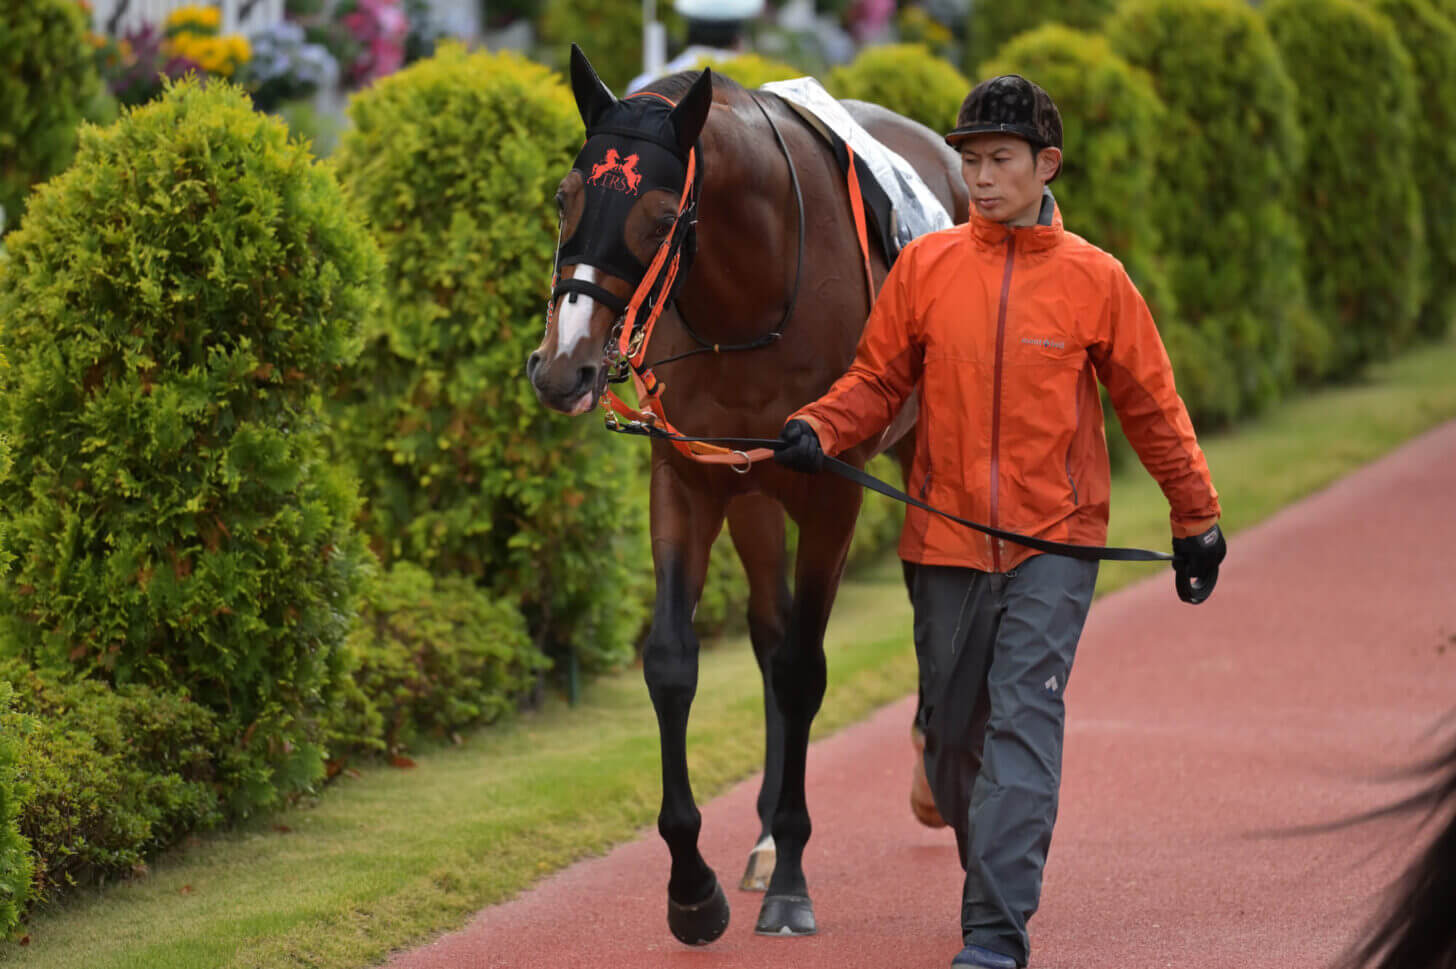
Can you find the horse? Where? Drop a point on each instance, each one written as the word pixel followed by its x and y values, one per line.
pixel 1416 926
pixel 757 225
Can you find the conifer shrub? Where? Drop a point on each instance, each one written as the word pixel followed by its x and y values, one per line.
pixel 989 25
pixel 50 81
pixel 1429 36
pixel 455 161
pixel 906 78
pixel 432 656
pixel 1228 156
pixel 107 776
pixel 15 857
pixel 1358 200
pixel 173 307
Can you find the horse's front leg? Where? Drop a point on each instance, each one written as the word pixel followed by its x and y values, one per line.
pixel 685 520
pixel 826 525
pixel 756 523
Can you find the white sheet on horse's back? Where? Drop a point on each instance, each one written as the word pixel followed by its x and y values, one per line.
pixel 917 211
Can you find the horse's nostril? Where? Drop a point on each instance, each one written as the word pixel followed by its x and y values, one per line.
pixel 585 377
pixel 533 363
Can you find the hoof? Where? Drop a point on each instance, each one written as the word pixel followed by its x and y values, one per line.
pixel 701 923
pixel 790 915
pixel 760 866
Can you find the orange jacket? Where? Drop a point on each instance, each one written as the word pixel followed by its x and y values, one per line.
pixel 1003 330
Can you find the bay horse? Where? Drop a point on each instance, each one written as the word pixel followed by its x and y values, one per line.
pixel 748 202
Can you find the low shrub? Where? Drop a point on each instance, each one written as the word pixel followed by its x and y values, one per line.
pixel 173 307
pixel 609 32
pixel 15 858
pixel 50 84
pixel 454 161
pixel 906 78
pixel 1228 156
pixel 105 776
pixel 1359 202
pixel 432 656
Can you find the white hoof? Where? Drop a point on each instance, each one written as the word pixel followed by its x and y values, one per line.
pixel 760 866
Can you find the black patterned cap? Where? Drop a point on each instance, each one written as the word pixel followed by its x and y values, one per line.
pixel 1009 104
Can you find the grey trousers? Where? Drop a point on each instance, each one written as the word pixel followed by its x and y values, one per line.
pixel 995 651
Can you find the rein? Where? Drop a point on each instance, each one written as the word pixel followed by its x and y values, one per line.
pixel 742 448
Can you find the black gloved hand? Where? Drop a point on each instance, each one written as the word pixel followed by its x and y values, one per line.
pixel 1195 564
pixel 801 450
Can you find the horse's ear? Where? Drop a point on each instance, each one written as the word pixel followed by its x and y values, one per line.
pixel 593 97
pixel 691 112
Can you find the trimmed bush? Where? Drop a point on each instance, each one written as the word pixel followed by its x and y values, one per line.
pixel 455 160
pixel 50 82
pixel 1228 156
pixel 105 776
pixel 750 70
pixel 433 656
pixel 1429 37
pixel 15 860
pixel 1358 199
pixel 173 307
pixel 43 51
pixel 991 25
pixel 906 78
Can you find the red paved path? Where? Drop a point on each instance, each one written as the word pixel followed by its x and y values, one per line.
pixel 1327 652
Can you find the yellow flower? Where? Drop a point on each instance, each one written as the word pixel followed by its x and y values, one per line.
pixel 194 17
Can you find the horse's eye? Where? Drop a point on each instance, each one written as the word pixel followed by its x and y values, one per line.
pixel 662 227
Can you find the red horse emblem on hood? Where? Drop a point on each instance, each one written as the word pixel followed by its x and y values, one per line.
pixel 615 173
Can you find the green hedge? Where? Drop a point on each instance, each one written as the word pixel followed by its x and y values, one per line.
pixel 50 80
pixel 1429 37
pixel 15 858
pixel 1358 201
pixel 906 78
pixel 454 161
pixel 173 307
pixel 432 656
pixel 106 776
pixel 1228 158
pixel 991 24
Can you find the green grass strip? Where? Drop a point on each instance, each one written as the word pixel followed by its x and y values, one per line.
pixel 385 859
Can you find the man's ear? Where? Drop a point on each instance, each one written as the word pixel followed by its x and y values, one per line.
pixel 1048 163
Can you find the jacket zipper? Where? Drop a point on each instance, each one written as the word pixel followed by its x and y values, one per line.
pixel 996 402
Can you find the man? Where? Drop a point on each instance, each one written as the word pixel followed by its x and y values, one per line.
pixel 1006 323
pixel 715 32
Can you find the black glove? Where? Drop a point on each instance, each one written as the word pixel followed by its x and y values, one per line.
pixel 801 450
pixel 1195 564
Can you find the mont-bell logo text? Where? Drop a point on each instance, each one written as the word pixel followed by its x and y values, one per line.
pixel 617 173
pixel 1045 342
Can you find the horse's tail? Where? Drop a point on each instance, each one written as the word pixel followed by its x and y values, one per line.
pixel 1416 927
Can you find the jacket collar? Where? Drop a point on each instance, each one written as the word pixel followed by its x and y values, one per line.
pixel 1045 234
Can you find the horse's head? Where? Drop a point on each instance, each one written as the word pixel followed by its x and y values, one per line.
pixel 617 206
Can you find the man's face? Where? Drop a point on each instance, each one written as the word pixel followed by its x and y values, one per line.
pixel 1004 178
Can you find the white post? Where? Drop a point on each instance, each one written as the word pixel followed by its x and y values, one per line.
pixel 654 40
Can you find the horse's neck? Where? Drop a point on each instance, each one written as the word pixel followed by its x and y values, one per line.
pixel 747 230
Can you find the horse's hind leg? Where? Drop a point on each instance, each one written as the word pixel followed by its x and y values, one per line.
pixel 756 523
pixel 684 522
pixel 826 523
